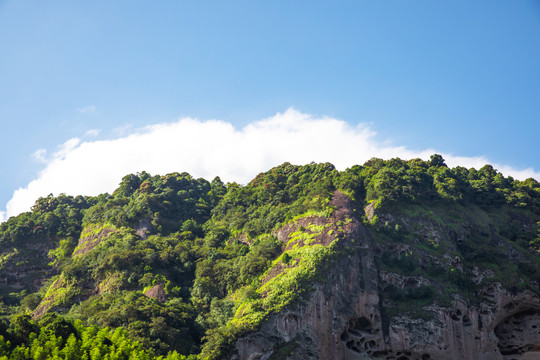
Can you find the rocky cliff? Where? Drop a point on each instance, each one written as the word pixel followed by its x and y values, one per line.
pixel 349 315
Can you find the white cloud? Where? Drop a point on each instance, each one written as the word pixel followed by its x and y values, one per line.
pixel 123 130
pixel 39 155
pixel 92 132
pixel 215 148
pixel 87 109
pixel 66 148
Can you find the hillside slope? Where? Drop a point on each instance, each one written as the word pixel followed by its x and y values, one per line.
pixel 392 259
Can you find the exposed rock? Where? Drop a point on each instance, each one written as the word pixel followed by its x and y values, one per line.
pixel 345 317
pixel 395 248
pixel 519 334
pixel 157 292
pixel 478 275
pixel 49 301
pixel 26 268
pixel 401 281
pixel 88 242
pixel 144 228
pixel 369 210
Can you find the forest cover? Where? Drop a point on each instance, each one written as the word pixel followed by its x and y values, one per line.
pixel 173 267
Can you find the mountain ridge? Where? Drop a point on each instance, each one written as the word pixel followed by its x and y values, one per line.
pixel 226 263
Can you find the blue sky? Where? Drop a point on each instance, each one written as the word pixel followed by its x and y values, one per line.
pixel 459 78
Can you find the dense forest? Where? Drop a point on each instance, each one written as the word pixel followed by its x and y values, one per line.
pixel 173 267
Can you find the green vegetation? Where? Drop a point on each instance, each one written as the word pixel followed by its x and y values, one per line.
pixel 174 267
pixel 54 337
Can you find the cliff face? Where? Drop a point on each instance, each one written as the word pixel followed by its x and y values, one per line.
pixel 26 267
pixel 351 316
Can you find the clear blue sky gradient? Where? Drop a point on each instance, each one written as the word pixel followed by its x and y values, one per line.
pixel 462 77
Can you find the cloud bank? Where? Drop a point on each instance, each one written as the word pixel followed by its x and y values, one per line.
pixel 215 148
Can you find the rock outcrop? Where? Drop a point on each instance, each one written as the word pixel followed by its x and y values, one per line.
pixel 346 317
pixel 157 292
pixel 25 268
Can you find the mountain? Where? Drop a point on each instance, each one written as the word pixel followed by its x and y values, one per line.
pixel 391 259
